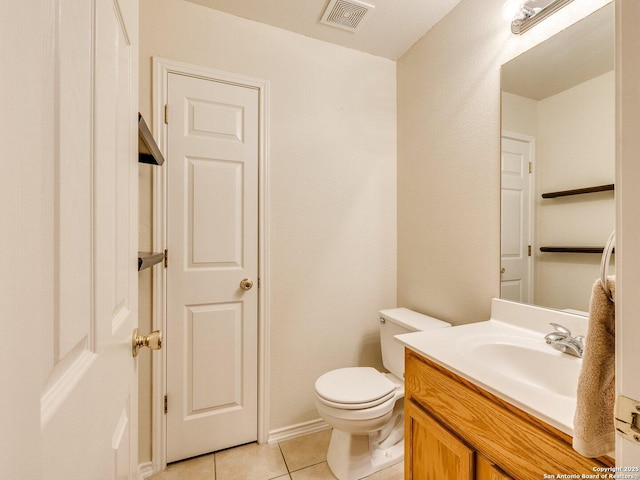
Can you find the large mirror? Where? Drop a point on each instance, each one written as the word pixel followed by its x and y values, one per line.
pixel 558 165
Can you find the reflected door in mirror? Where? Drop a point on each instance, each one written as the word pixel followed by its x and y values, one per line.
pixel 515 278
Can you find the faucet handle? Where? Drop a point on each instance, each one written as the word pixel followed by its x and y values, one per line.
pixel 554 337
pixel 571 347
pixel 560 328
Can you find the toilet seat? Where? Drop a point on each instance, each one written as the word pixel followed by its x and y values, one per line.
pixel 354 388
pixel 365 407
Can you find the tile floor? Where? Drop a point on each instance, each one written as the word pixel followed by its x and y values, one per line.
pixel 302 458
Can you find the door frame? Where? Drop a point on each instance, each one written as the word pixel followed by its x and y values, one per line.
pixel 161 69
pixel 531 141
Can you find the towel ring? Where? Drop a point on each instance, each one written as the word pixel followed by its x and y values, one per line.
pixel 604 263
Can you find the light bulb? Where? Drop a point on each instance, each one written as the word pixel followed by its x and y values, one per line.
pixel 512 9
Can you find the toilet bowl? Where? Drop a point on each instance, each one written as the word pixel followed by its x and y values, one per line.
pixel 365 406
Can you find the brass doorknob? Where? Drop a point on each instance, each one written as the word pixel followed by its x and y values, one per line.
pixel 246 284
pixel 502 270
pixel 152 341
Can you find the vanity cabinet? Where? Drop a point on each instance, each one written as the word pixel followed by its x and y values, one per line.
pixel 455 430
pixel 428 440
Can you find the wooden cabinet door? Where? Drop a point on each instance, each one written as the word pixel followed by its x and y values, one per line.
pixel 485 470
pixel 432 452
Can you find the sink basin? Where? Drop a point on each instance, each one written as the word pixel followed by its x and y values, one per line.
pixel 508 357
pixel 525 360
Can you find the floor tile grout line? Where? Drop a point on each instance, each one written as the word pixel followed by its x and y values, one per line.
pixel 308 466
pixel 284 459
pixel 289 471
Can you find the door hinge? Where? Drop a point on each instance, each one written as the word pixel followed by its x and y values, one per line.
pixel 166 114
pixel 166 403
pixel 166 258
pixel 627 421
pixel 530 164
pixel 528 250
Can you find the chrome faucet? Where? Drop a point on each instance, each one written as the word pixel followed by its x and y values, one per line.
pixel 562 340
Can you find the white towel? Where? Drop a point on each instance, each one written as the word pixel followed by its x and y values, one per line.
pixel 593 423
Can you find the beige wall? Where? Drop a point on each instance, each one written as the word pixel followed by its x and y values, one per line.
pixel 575 148
pixel 332 181
pixel 519 114
pixel 448 157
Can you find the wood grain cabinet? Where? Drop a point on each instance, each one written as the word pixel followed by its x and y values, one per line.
pixel 455 430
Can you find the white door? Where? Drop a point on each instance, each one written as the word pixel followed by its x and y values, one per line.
pixel 627 227
pixel 212 240
pixel 89 405
pixel 79 299
pixel 515 279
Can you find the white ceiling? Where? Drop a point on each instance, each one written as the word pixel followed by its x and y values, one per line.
pixel 389 30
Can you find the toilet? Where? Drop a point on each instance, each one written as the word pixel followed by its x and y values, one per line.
pixel 365 406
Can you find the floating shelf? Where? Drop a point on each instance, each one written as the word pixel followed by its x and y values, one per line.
pixel 148 151
pixel 579 191
pixel 149 259
pixel 572 249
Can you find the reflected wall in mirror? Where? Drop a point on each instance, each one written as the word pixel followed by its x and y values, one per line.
pixel 558 123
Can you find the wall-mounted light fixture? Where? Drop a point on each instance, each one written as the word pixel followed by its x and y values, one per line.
pixel 524 14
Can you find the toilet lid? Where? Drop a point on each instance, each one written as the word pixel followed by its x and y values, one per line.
pixel 355 387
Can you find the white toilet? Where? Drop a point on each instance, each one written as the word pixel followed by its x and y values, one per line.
pixel 365 406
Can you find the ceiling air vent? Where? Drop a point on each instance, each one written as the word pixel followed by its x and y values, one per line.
pixel 346 14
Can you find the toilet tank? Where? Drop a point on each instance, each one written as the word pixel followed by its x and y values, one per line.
pixel 396 321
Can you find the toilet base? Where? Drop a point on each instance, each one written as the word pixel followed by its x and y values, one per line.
pixel 352 457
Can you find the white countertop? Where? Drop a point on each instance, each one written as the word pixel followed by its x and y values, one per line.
pixel 507 356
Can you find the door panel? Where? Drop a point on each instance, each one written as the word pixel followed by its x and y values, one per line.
pixel 215 333
pixel 215 182
pixel 212 239
pixel 73 322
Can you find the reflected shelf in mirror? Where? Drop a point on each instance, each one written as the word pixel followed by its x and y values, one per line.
pixel 580 191
pixel 572 249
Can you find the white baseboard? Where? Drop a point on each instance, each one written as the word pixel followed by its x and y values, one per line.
pixel 293 431
pixel 145 470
